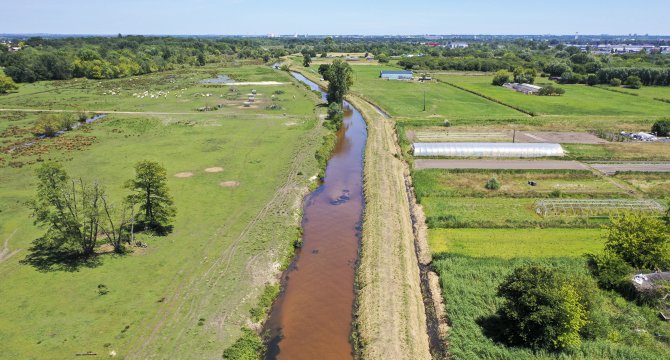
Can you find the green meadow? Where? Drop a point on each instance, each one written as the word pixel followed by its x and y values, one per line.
pixel 187 294
pixel 578 99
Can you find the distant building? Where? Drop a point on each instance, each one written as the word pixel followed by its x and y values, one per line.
pixel 527 89
pixel 456 45
pixel 396 75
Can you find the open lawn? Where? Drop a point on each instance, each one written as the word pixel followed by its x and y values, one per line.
pixel 577 100
pixel 513 243
pixel 186 295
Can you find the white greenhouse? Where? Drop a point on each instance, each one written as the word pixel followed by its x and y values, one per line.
pixel 500 150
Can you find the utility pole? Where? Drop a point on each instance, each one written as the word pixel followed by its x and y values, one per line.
pixel 514 136
pixel 424 100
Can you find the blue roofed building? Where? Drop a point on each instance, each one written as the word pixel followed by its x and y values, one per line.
pixel 396 75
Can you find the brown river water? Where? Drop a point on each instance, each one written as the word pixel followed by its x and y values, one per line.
pixel 313 315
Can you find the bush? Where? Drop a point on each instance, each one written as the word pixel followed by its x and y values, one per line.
pixel 335 115
pixel 550 90
pixel 611 272
pixel 248 347
pixel 591 80
pixel 50 124
pixel 661 128
pixel 633 82
pixel 492 184
pixel 640 240
pixel 501 77
pixel 616 82
pixel 542 309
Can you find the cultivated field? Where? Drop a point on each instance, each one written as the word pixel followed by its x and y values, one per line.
pixel 237 176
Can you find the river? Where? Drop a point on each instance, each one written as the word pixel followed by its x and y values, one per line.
pixel 312 317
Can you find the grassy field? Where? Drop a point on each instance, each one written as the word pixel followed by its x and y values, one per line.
pixel 514 183
pixel 578 99
pixel 186 295
pixel 514 243
pixel 469 288
pixel 656 185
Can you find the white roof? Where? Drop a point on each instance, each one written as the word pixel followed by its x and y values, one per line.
pixel 520 150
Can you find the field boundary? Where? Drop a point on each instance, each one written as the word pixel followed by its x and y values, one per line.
pixel 489 98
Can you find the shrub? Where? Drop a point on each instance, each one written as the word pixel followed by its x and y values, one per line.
pixel 249 347
pixel 551 90
pixel 335 115
pixel 542 309
pixel 50 124
pixel 591 80
pixel 492 184
pixel 610 271
pixel 661 128
pixel 640 240
pixel 616 82
pixel 501 77
pixel 633 82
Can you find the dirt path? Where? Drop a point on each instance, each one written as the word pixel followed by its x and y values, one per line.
pixel 501 164
pixel 613 168
pixel 391 318
pixel 4 252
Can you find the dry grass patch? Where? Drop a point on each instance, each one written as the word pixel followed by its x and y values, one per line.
pixel 230 184
pixel 215 169
pixel 183 175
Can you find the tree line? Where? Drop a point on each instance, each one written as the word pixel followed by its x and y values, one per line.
pixel 108 58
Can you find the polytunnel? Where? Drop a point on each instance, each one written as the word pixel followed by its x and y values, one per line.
pixel 506 150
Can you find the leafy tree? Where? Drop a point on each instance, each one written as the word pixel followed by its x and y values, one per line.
pixel 501 77
pixel 70 210
pixel 610 270
pixel 550 90
pixel 340 78
pixel 382 58
pixel 633 82
pixel 151 192
pixel 6 83
pixel 306 60
pixel 50 124
pixel 542 309
pixel 661 127
pixel 335 115
pixel 201 60
pixel 556 68
pixel 592 80
pixel 640 240
pixel 616 82
pixel 524 76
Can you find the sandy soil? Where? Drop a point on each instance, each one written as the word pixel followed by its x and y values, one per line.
pixel 500 164
pixel 230 184
pixel 391 317
pixel 183 175
pixel 214 169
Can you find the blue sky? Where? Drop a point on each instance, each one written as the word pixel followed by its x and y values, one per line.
pixel 261 17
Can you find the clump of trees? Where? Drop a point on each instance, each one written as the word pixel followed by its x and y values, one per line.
pixel 633 82
pixel 306 59
pixel 335 115
pixel 6 83
pixel 50 124
pixel 501 77
pixel 550 90
pixel 524 76
pixel 546 309
pixel 77 212
pixel 340 78
pixel 661 127
pixel 634 242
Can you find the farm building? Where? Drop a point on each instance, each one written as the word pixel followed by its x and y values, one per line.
pixel 523 88
pixel 499 150
pixel 396 75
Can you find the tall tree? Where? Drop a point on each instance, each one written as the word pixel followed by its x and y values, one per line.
pixel 340 78
pixel 6 83
pixel 306 59
pixel 70 209
pixel 642 241
pixel 151 192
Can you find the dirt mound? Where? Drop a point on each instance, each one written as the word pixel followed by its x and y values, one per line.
pixel 215 169
pixel 183 174
pixel 230 184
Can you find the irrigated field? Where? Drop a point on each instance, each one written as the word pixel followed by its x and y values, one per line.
pixel 186 295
